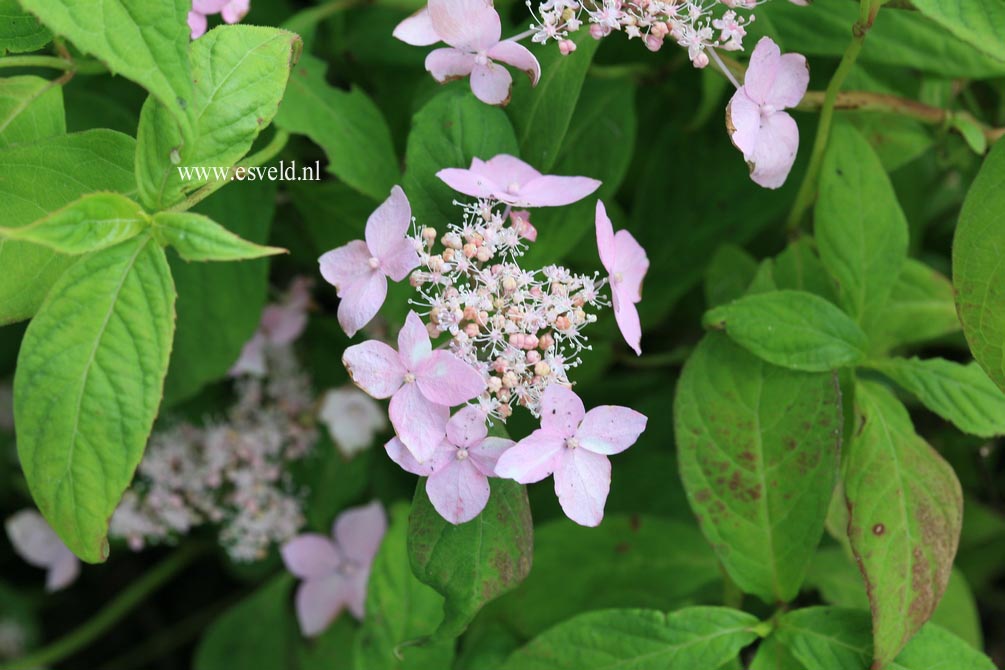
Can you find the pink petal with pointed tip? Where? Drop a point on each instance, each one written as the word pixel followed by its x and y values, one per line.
pixel 361 301
pixel 448 63
pixel 400 260
pixel 400 454
pixel 605 238
pixel 627 316
pixel 561 410
pixel 610 429
pixel 414 346
pixel 776 150
pixel 582 482
pixel 551 191
pixel 344 265
pixel 197 24
pixel 469 25
pixel 310 556
pixel 459 491
pixel 388 225
pixel 374 367
pixel 359 531
pixel 519 56
pixel 63 573
pixel 420 424
pixel 417 30
pixel 468 182
pixel 491 83
pixel 631 266
pixel 319 601
pixel 447 380
pixel 532 458
pixel 467 428
pixel 486 455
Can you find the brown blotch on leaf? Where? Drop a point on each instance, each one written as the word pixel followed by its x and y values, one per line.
pixel 878 529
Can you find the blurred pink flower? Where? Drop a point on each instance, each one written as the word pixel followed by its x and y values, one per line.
pixel 335 570
pixel 768 136
pixel 573 444
pixel 359 270
pixel 459 469
pixel 472 30
pixel 232 11
pixel 423 384
pixel 282 323
pixel 38 544
pixel 626 263
pixel 510 180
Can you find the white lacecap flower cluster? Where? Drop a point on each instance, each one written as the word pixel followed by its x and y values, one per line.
pixel 522 329
pixel 697 25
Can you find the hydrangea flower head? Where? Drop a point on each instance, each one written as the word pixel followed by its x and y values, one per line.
pixel 626 263
pixel 755 117
pixel 335 570
pixel 509 180
pixel 38 544
pixel 231 11
pixel 359 270
pixel 460 467
pixel 573 444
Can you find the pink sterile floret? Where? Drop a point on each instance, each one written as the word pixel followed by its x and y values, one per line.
pixel 626 263
pixel 508 179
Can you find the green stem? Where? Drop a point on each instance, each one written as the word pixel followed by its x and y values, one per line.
pixel 114 611
pixel 808 189
pixel 55 63
pixel 270 151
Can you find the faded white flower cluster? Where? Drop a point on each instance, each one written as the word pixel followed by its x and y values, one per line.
pixel 521 328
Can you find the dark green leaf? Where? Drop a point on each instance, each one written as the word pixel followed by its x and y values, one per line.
pixel 921 308
pixel 20 31
pixel 980 23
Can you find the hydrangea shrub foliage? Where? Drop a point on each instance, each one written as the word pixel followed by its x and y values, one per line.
pixel 474 335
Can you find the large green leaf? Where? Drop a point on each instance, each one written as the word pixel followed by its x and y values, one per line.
pixel 31 109
pixel 906 511
pixel 860 229
pixel 346 124
pixel 240 75
pixel 793 329
pixel 694 637
pixel 978 273
pixel 962 394
pixel 449 131
pixel 624 553
pixel 472 563
pixel 93 222
pixel 144 41
pixel 19 30
pixel 39 178
pixel 758 448
pixel 980 23
pixel 399 609
pixel 922 307
pixel 88 384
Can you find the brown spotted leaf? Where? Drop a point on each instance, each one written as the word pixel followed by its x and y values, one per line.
pixel 758 448
pixel 905 514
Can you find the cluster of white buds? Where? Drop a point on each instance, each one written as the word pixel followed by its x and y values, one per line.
pixel 522 329
pixel 697 25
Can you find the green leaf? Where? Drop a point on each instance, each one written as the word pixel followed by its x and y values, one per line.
pixel 961 394
pixel 838 639
pixel 346 124
pixel 144 41
pixel 399 609
pixel 978 273
pixel 728 275
pixel 800 268
pixel 199 238
pixel 39 178
pixel 980 23
pixel 472 563
pixel 860 229
pixel 541 115
pixel 94 222
pixel 220 304
pixel 906 511
pixel 31 108
pixel 240 74
pixel 694 637
pixel 88 384
pixel 922 307
pixel 450 130
pixel 624 554
pixel 758 447
pixel 772 655
pixel 793 329
pixel 20 32
pixel 971 130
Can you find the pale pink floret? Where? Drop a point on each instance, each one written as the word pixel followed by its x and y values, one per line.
pixel 232 11
pixel 359 270
pixel 768 136
pixel 423 384
pixel 508 179
pixel 573 445
pixel 38 544
pixel 626 263
pixel 458 472
pixel 335 570
pixel 472 30
pixel 282 323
